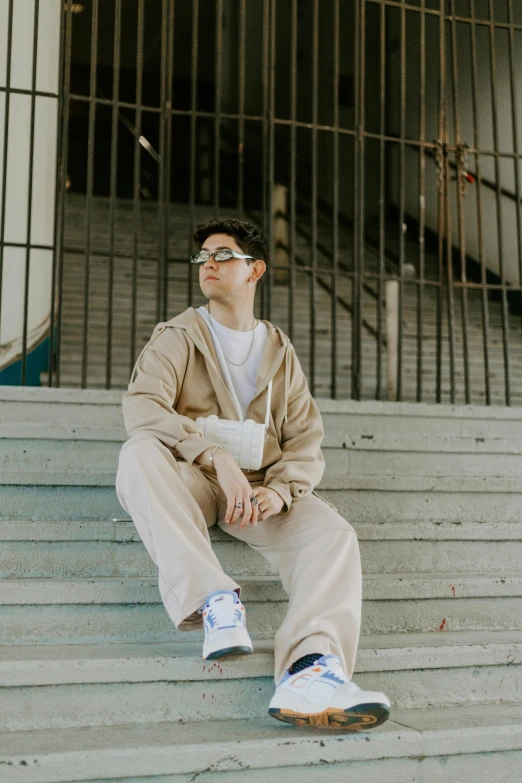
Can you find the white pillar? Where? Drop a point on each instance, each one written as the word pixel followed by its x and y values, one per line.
pixel 17 163
pixel 392 336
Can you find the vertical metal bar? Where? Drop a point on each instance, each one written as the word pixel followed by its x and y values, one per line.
pixel 113 182
pixel 27 268
pixel 357 249
pixel 480 236
pixel 193 136
pixel 516 154
pixel 293 169
pixel 166 160
pixel 136 177
pixel 62 180
pixel 7 105
pixel 267 217
pixel 59 186
pixel 271 149
pixel 402 197
pixel 217 108
pixel 335 199
pixel 315 120
pixel 361 192
pixel 441 197
pixel 90 180
pixel 422 201
pixel 241 103
pixel 449 274
pixel 505 314
pixel 460 216
pixel 382 201
pixel 162 250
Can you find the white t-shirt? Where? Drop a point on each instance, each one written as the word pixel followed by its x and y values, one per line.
pixel 234 345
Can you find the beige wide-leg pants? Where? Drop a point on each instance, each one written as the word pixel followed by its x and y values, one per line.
pixel 314 549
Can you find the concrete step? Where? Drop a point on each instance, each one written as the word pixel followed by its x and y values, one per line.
pixel 117 609
pixel 60 686
pixel 94 463
pixel 123 531
pixel 376 500
pixel 323 389
pixel 72 407
pixel 339 438
pixel 69 459
pixel 418 746
pixel 69 549
pixel 93 460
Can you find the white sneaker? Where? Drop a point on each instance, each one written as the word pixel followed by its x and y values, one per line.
pixel 321 695
pixel 224 619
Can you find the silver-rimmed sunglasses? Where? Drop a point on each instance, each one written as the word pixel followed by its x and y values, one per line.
pixel 219 255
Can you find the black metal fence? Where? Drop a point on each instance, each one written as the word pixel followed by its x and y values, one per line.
pixel 376 142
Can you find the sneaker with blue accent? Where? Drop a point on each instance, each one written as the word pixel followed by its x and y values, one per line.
pixel 321 695
pixel 224 620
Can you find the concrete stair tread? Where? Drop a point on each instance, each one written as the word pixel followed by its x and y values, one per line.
pixel 29 665
pixel 326 405
pixel 224 745
pixel 423 443
pixel 138 590
pixel 75 473
pixel 123 530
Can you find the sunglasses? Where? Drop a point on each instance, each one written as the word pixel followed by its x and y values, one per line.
pixel 219 255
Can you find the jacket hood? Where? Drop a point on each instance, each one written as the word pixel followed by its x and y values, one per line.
pixel 276 351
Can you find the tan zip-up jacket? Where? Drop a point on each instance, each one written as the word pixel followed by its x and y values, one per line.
pixel 177 378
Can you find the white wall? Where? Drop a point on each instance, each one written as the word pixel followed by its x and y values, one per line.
pixel 43 175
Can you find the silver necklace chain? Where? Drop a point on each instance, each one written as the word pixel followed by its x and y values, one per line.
pixel 236 364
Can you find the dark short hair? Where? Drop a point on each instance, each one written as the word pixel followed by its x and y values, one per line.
pixel 251 241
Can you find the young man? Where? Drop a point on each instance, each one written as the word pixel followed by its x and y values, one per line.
pixel 175 484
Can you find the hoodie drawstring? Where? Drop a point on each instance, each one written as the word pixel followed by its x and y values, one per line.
pixel 285 417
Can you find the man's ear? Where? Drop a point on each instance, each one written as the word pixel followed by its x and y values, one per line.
pixel 260 261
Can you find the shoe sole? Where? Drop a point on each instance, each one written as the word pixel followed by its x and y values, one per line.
pixel 228 651
pixel 360 718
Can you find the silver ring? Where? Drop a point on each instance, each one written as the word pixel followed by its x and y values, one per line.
pixel 238 505
pixel 254 500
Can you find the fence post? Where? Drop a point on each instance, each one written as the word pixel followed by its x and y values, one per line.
pixel 392 335
pixel 281 233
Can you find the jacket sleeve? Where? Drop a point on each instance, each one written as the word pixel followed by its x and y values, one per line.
pixel 148 404
pixel 302 464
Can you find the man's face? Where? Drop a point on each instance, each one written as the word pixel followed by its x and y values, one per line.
pixel 218 279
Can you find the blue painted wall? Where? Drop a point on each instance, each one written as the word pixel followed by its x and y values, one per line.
pixel 37 361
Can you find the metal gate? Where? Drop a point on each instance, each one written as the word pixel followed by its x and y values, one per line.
pixel 374 141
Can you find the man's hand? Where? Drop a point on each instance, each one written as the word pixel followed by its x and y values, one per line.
pixel 237 489
pixel 269 502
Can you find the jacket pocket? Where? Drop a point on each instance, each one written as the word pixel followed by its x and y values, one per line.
pixel 325 500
